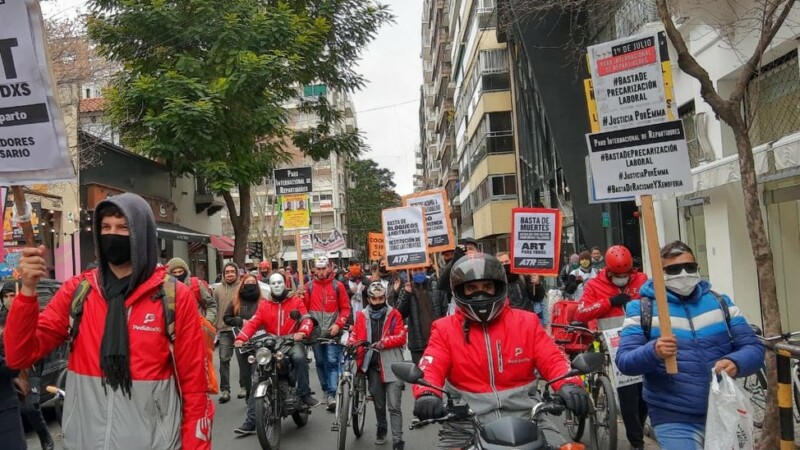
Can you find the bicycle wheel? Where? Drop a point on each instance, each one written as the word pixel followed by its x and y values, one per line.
pixel 575 425
pixel 756 386
pixel 359 405
pixel 342 413
pixel 605 414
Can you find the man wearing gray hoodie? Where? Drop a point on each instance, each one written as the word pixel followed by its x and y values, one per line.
pixel 223 296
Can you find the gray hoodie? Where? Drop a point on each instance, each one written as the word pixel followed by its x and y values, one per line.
pixel 223 295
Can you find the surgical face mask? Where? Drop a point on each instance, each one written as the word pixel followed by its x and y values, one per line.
pixel 620 281
pixel 585 263
pixel 420 277
pixel 116 248
pixel 683 283
pixel 574 266
pixel 277 285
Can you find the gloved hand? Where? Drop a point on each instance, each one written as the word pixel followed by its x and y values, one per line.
pixel 575 399
pixel 429 406
pixel 620 299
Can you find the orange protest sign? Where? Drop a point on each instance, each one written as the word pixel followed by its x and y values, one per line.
pixel 375 246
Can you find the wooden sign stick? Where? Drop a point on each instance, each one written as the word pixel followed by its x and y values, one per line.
pixel 299 253
pixel 654 251
pixel 19 203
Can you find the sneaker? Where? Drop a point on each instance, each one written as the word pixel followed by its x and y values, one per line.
pixel 245 429
pixel 225 397
pixel 381 438
pixel 242 394
pixel 331 403
pixel 400 445
pixel 310 401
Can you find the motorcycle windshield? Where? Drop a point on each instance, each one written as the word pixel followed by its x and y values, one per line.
pixel 512 432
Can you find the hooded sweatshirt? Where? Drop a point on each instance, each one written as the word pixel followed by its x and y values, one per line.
pixel 223 296
pixel 205 302
pixel 168 402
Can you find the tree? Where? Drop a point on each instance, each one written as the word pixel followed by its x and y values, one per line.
pixel 206 84
pixel 371 192
pixel 735 21
pixel 267 223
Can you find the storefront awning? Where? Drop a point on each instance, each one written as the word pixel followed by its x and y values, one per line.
pixel 179 233
pixel 223 244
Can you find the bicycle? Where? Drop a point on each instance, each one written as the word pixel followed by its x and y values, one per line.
pixel 756 384
pixel 352 387
pixel 603 424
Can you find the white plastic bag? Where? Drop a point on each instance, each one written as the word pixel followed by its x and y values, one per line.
pixel 729 423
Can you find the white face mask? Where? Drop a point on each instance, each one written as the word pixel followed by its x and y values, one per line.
pixel 620 281
pixel 277 284
pixel 683 283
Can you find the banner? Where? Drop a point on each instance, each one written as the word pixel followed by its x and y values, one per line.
pixel 535 241
pixel 296 215
pixel 295 180
pixel 619 379
pixel 437 218
pixel 405 238
pixel 334 242
pixel 33 141
pixel 376 246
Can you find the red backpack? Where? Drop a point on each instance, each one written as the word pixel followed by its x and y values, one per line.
pixel 573 342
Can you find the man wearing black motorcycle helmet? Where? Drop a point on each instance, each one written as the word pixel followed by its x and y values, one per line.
pixel 485 332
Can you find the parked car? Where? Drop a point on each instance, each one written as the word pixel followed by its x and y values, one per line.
pixel 54 370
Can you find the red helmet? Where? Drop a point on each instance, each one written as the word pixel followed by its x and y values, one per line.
pixel 618 259
pixel 264 266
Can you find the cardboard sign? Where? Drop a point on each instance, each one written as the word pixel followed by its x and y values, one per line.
pixel 611 337
pixel 295 211
pixel 376 246
pixel 535 241
pixel 296 180
pixel 405 238
pixel 335 241
pixel 628 82
pixel 652 159
pixel 33 141
pixel 437 218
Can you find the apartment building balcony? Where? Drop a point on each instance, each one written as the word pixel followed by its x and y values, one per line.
pixel 427 70
pixel 204 198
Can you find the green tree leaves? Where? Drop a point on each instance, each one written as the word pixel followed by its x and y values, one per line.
pixel 371 191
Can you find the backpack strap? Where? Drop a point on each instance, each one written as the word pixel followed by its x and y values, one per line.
pixel 76 309
pixel 167 295
pixel 726 312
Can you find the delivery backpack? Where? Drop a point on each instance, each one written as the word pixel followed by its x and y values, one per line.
pixel 571 341
pixel 166 294
pixel 646 314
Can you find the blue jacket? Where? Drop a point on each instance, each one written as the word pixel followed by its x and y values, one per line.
pixel 699 325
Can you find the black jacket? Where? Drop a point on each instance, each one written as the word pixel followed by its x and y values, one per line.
pixel 409 307
pixel 519 294
pixel 12 435
pixel 246 311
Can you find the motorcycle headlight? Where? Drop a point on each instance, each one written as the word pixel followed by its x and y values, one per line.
pixel 263 356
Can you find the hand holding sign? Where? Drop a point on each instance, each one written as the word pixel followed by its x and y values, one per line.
pixel 32 267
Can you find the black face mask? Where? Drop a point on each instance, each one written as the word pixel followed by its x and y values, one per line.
pixel 377 307
pixel 250 292
pixel 265 275
pixel 182 277
pixel 510 276
pixel 115 248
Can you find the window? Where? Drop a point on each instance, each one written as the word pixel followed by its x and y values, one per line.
pixel 687 115
pixel 315 90
pixel 496 82
pixel 495 187
pixel 771 100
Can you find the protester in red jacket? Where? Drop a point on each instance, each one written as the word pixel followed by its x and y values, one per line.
pixel 604 299
pixel 484 355
pixel 124 390
pixel 327 301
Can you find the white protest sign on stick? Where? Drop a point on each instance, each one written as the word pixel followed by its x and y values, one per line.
pixel 33 142
pixel 535 241
pixel 405 238
pixel 611 338
pixel 437 218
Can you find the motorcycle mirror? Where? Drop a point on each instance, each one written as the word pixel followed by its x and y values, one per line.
pixel 295 314
pixel 588 362
pixel 408 372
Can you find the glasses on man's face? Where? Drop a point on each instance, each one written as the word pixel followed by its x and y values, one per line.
pixel 676 269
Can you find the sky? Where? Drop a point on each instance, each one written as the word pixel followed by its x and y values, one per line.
pixel 388 107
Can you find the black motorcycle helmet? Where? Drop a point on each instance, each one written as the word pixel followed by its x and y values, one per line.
pixel 480 306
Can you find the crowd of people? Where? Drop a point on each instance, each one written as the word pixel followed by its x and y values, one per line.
pixel 133 368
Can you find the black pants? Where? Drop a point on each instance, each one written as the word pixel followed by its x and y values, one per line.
pixel 416 356
pixel 32 411
pixel 633 410
pixel 225 355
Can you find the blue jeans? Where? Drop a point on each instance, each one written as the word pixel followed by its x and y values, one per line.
pixel 680 436
pixel 328 361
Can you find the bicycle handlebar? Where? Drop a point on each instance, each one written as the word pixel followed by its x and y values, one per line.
pixel 571 328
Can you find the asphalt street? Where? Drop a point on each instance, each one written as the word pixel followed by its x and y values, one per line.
pixel 316 435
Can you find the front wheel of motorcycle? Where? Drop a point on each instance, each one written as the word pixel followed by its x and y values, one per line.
pixel 268 425
pixel 300 419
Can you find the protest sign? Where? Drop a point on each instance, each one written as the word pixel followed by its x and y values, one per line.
pixel 404 232
pixel 611 338
pixel 295 180
pixel 535 240
pixel 307 245
pixel 295 211
pixel 33 141
pixel 628 82
pixel 335 241
pixel 648 160
pixel 437 218
pixel 376 246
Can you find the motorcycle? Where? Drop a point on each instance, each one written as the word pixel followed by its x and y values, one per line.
pixel 274 391
pixel 507 432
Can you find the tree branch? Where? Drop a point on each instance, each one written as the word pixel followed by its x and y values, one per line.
pixel 689 64
pixel 768 32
